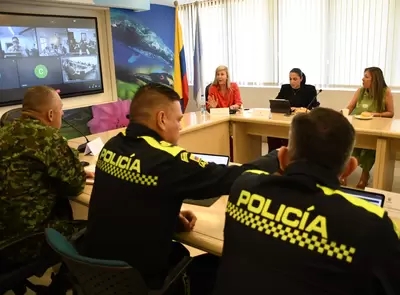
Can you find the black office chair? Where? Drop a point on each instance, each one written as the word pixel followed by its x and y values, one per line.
pixel 207 90
pixel 10 116
pixel 14 276
pixel 106 277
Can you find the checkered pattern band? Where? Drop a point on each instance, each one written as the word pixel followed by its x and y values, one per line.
pixel 124 174
pixel 291 235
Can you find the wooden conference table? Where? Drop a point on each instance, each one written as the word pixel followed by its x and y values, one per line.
pixel 200 133
pixel 210 134
pixel 203 133
pixel 379 134
pixel 208 234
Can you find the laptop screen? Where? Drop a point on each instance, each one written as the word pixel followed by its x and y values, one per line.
pixel 374 198
pixel 217 159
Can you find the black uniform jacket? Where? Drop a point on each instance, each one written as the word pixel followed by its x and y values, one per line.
pixel 140 184
pixel 299 234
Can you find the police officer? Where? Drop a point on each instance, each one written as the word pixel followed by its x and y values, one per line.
pixel 298 233
pixel 38 170
pixel 142 177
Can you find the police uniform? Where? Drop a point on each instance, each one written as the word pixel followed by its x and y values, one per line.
pixel 299 234
pixel 140 184
pixel 37 169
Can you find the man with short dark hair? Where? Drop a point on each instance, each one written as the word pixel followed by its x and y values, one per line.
pixel 325 138
pixel 142 178
pixel 298 233
pixel 38 171
pixel 16 47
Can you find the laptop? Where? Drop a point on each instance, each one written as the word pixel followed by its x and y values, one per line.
pixel 374 198
pixel 210 158
pixel 280 106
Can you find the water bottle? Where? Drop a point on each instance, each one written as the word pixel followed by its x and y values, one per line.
pixel 203 108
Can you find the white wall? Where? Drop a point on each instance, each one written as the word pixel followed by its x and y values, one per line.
pixel 258 97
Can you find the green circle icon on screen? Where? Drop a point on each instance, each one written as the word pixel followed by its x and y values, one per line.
pixel 41 71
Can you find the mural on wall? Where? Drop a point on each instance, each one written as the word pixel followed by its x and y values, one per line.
pixel 143 44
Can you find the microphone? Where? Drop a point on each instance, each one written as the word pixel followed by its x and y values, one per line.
pixel 312 101
pixel 81 148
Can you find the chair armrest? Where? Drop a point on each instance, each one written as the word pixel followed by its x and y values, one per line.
pixel 173 275
pixel 77 236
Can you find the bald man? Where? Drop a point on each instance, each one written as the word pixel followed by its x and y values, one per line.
pixel 38 170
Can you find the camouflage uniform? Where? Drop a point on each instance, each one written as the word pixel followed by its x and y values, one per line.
pixel 38 171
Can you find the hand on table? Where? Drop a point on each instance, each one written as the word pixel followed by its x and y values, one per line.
pixel 300 110
pixel 89 174
pixel 89 177
pixel 212 102
pixel 234 107
pixel 187 220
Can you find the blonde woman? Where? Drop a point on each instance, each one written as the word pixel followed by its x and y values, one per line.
pixel 223 93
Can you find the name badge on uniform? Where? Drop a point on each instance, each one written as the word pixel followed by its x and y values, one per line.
pixel 365 106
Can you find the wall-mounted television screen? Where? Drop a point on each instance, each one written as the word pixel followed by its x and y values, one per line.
pixel 57 51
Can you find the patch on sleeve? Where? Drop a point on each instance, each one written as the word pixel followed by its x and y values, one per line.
pixel 196 159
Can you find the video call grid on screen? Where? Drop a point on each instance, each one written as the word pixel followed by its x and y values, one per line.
pixel 46 50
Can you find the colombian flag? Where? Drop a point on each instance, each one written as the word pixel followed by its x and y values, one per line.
pixel 180 76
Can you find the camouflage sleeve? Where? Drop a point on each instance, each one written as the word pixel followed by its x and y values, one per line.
pixel 65 168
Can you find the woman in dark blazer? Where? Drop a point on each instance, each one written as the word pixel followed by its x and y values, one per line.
pixel 300 95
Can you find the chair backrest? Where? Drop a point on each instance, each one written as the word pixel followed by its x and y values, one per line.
pixel 10 116
pixel 207 89
pixel 97 276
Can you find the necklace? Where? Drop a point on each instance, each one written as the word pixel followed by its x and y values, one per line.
pixel 295 91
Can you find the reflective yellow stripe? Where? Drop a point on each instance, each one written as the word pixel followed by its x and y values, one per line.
pixel 162 146
pixel 124 132
pixel 254 171
pixel 396 230
pixel 184 157
pixel 355 201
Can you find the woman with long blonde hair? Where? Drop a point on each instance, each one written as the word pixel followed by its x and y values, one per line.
pixel 223 93
pixel 373 99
